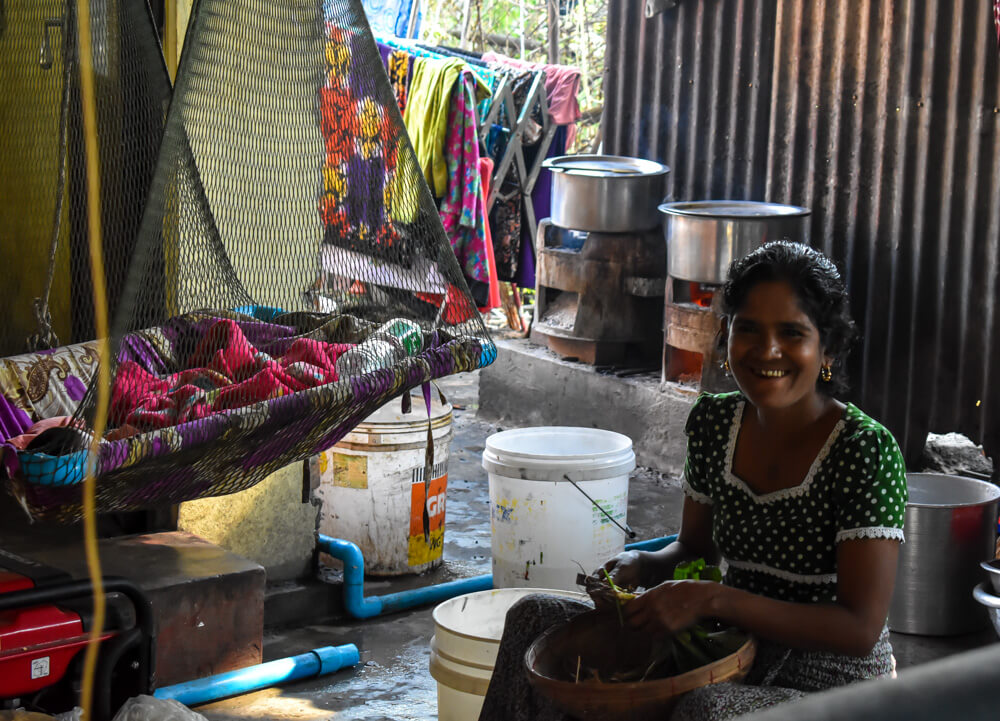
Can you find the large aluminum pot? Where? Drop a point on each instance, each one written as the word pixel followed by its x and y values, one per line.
pixel 951 526
pixel 606 193
pixel 704 237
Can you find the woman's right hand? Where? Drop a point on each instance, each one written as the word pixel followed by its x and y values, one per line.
pixel 625 569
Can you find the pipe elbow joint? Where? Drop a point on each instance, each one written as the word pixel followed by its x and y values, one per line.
pixel 354 576
pixel 359 606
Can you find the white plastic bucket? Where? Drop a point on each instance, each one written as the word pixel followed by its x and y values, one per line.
pixel 544 529
pixel 372 488
pixel 467 632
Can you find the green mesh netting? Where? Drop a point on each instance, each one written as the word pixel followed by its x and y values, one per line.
pixel 276 263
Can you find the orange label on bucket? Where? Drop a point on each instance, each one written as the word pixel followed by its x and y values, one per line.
pixel 424 549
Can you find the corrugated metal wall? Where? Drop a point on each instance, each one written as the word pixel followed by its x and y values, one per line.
pixel 880 116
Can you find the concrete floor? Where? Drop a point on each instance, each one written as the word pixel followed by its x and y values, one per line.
pixel 393 681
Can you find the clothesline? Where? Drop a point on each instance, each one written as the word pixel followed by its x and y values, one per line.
pixel 480 68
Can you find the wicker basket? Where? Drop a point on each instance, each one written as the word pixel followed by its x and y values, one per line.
pixel 600 642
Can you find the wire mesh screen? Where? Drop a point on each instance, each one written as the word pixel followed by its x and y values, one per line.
pixel 568 32
pixel 289 273
pixel 43 207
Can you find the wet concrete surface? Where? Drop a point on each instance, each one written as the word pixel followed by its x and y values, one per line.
pixel 393 680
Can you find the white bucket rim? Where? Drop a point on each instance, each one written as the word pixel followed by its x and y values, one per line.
pixel 388 416
pixel 614 455
pixel 991 492
pixel 444 606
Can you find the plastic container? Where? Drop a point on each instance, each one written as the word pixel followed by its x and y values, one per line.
pixel 544 529
pixel 372 488
pixel 392 342
pixel 467 631
pixel 950 528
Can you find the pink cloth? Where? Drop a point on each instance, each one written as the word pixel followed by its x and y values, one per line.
pixel 562 83
pixel 996 19
pixel 493 299
pixel 226 372
pixel 21 442
pixel 463 214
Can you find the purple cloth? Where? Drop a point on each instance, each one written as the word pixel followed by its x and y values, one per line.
pixel 541 198
pixel 384 52
pixel 75 388
pixel 139 350
pixel 13 420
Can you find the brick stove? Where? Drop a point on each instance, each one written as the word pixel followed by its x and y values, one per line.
pixel 600 295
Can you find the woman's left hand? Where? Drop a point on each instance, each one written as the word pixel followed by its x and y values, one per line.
pixel 670 607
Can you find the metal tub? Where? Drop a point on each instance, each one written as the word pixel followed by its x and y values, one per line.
pixel 606 193
pixel 951 524
pixel 704 237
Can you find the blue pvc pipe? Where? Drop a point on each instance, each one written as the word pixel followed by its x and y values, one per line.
pixel 318 662
pixel 359 606
pixel 434 594
pixel 354 579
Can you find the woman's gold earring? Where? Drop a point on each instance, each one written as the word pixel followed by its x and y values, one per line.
pixel 725 366
pixel 826 374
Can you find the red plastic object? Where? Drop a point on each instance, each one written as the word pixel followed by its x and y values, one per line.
pixel 36 646
pixel 10 582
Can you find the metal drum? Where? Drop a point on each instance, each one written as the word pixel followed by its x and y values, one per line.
pixel 704 237
pixel 951 526
pixel 606 193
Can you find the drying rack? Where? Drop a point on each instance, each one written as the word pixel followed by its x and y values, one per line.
pixel 503 99
pixel 502 109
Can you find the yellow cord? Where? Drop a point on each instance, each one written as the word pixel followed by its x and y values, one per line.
pixel 89 104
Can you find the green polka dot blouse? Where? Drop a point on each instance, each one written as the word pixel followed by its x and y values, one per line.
pixel 784 544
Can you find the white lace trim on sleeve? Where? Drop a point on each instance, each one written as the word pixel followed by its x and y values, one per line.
pixel 895 534
pixel 694 495
pixel 812 579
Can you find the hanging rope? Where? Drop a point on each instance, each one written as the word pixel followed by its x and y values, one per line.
pixel 88 97
pixel 46 338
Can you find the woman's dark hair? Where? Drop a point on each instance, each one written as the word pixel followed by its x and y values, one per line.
pixel 820 291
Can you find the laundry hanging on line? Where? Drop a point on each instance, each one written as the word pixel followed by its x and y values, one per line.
pixel 438 97
pixel 511 234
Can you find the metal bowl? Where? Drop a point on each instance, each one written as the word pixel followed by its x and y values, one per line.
pixel 992 569
pixel 991 602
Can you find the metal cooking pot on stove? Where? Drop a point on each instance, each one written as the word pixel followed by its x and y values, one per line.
pixel 703 237
pixel 606 193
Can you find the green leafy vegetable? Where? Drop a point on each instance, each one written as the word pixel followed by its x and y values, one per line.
pixel 697 570
pixel 684 651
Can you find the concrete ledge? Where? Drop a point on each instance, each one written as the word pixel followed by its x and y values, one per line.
pixel 208 603
pixel 530 386
pixel 295 603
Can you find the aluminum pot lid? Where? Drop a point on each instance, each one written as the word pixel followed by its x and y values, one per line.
pixel 745 209
pixel 604 166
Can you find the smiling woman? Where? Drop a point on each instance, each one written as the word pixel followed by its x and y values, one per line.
pixel 802 495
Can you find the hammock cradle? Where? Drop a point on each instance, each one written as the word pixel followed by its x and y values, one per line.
pixel 285 225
